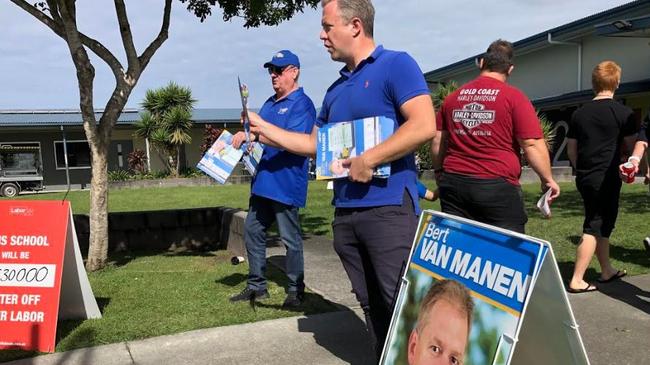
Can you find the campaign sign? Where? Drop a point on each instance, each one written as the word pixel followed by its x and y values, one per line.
pixel 34 239
pixel 463 294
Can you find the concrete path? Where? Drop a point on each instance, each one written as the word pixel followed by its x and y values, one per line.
pixel 614 323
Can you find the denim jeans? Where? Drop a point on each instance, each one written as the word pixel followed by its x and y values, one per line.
pixel 261 215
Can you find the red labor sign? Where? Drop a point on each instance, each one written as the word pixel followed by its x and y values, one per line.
pixel 32 247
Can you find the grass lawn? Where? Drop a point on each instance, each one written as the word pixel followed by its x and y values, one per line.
pixel 563 230
pixel 152 294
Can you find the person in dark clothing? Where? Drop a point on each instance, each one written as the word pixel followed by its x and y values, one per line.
pixel 640 147
pixel 596 133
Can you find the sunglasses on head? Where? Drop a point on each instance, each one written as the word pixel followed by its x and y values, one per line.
pixel 277 70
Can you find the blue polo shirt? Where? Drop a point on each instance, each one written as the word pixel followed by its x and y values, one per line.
pixel 377 87
pixel 282 176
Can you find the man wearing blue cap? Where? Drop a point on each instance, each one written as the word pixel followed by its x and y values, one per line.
pixel 375 219
pixel 279 187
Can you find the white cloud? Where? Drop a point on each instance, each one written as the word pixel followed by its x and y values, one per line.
pixel 208 56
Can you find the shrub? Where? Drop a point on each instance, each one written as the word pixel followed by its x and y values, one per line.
pixel 137 161
pixel 210 134
pixel 191 172
pixel 438 95
pixel 119 175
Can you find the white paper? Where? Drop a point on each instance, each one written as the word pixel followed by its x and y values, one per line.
pixel 543 204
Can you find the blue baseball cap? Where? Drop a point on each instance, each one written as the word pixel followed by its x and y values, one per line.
pixel 283 58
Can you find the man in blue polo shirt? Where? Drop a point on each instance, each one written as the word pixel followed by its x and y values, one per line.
pixel 279 187
pixel 375 219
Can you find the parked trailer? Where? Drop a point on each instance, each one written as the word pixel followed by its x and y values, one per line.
pixel 20 169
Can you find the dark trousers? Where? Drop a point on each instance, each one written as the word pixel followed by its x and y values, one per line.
pixel 491 201
pixel 373 245
pixel 261 215
pixel 601 206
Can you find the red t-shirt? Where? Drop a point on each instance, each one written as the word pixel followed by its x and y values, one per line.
pixel 484 118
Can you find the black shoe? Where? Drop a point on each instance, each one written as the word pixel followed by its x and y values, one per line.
pixel 293 300
pixel 250 294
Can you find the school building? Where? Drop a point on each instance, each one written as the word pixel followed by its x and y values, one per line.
pixel 553 68
pixel 39 135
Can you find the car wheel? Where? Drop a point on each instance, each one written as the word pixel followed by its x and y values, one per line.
pixel 10 190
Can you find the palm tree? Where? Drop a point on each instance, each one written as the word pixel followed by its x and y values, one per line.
pixel 547 130
pixel 178 123
pixel 144 129
pixel 167 121
pixel 441 92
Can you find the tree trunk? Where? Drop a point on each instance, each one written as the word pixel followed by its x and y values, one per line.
pixel 146 142
pixel 178 160
pixel 62 21
pixel 98 250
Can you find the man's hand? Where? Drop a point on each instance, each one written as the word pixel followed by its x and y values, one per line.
pixel 555 189
pixel 620 169
pixel 258 125
pixel 238 139
pixel 359 170
pixel 431 195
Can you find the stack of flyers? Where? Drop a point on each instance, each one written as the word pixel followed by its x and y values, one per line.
pixel 343 140
pixel 220 160
pixel 252 157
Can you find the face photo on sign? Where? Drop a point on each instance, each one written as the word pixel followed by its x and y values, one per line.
pixel 443 325
pixel 483 335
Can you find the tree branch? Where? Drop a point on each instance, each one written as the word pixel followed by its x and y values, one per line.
pixel 58 28
pixel 53 8
pixel 125 33
pixel 85 70
pixel 160 39
pixel 103 53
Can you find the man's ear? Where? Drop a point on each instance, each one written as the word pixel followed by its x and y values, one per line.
pixel 410 350
pixel 512 67
pixel 479 63
pixel 357 27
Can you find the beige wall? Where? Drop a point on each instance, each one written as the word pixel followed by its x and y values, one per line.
pixel 553 70
pixel 632 54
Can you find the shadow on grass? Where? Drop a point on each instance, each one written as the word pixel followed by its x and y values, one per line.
pixel 119 259
pixel 232 280
pixel 637 256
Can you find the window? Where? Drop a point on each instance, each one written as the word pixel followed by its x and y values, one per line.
pixel 78 154
pixel 20 156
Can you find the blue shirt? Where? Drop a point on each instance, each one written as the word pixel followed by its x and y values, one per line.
pixel 377 87
pixel 282 176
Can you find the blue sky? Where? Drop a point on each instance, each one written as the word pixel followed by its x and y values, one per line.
pixel 37 72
